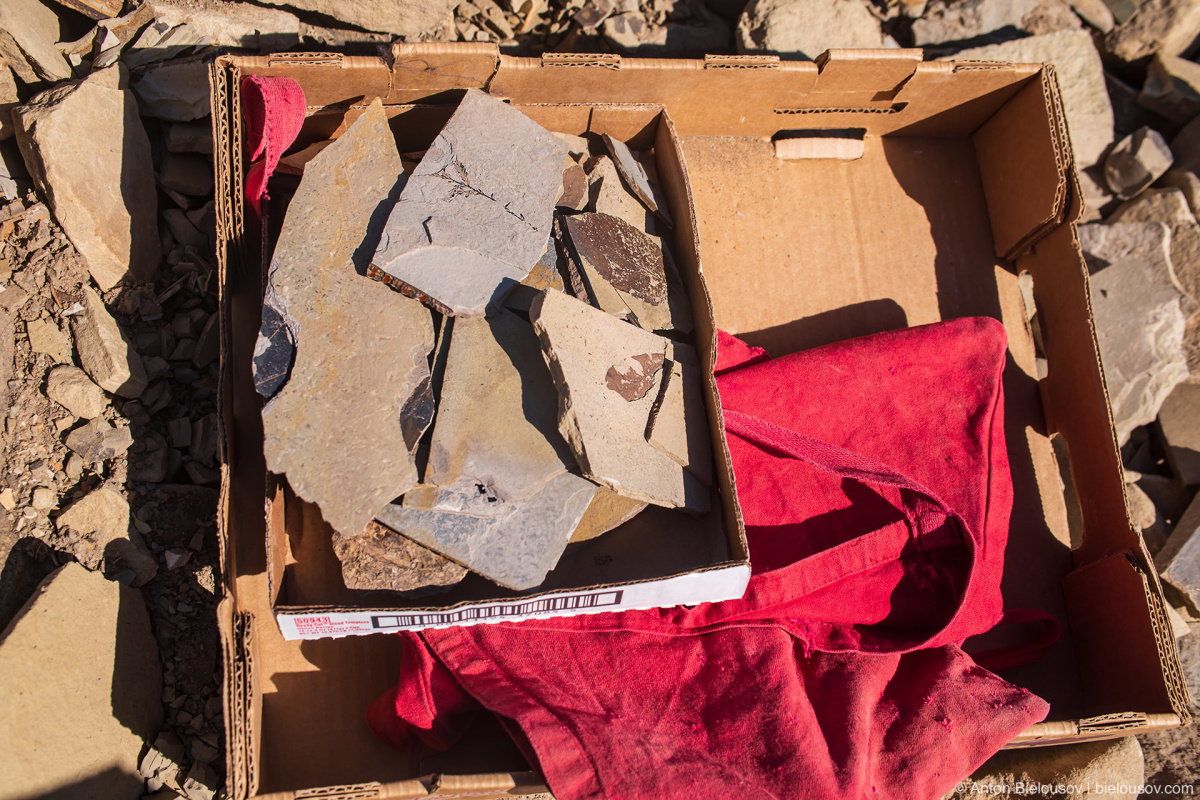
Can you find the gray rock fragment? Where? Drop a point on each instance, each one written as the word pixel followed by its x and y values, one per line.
pixel 475 214
pixel 1139 325
pixel 1149 242
pixel 608 375
pixel 496 432
pixel 608 195
pixel 361 349
pixel 85 147
pixel 1172 88
pixel 1169 206
pixel 175 91
pixel 515 549
pixel 1178 562
pixel 379 559
pixel 1179 422
pixel 625 273
pixel 45 337
pixel 634 175
pixel 98 441
pixel 1157 26
pixel 105 353
pixel 1135 162
pixel 190 137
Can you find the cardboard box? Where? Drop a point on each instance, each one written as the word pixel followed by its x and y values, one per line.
pixel 940 185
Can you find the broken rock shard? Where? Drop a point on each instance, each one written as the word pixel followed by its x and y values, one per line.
pixel 361 349
pixel 678 423
pixel 475 214
pixel 634 175
pixel 496 429
pixel 379 559
pixel 515 549
pixel 626 274
pixel 608 375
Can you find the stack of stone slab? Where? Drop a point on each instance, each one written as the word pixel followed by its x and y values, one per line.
pixel 526 379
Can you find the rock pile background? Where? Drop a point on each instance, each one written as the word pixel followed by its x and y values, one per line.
pixel 108 327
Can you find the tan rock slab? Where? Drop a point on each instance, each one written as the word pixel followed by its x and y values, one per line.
pixel 361 350
pixel 806 28
pixel 105 353
pixel 609 374
pixel 8 100
pixel 1169 206
pixel 496 433
pixel 379 559
pixel 634 175
pixel 45 337
pixel 625 273
pixel 575 188
pixel 515 549
pixel 28 33
pixel 80 674
pixel 1150 242
pixel 88 153
pixel 1158 26
pixel 1187 182
pixel 544 275
pixel 678 424
pixel 607 510
pixel 71 388
pixel 475 215
pixel 1080 75
pixel 397 17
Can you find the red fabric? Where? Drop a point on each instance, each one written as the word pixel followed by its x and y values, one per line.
pixel 873 479
pixel 274 112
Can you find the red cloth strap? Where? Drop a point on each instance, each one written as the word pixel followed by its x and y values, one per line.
pixel 274 112
pixel 1002 658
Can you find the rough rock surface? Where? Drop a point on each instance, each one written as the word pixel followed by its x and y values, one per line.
pixel 1178 562
pixel 1172 88
pixel 1115 763
pixel 397 17
pixel 28 31
pixel 86 149
pixel 1136 161
pixel 806 28
pixel 515 549
pixel 71 388
pixel 608 375
pixel 1164 26
pixel 105 353
pixel 971 19
pixel 96 530
pixel 381 559
pixel 176 90
pixel 1081 76
pixel 1139 325
pixel 45 337
pixel 1179 424
pixel 334 428
pixel 98 441
pixel 81 679
pixel 496 434
pixel 625 273
pixel 608 195
pixel 678 424
pixel 475 215
pixel 1149 242
pixel 240 25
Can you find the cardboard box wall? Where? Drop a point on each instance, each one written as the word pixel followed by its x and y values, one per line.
pixel 965 181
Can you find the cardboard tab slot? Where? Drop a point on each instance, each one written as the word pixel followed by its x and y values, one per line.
pixel 845 144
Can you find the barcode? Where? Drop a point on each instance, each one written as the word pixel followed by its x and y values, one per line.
pixel 544 605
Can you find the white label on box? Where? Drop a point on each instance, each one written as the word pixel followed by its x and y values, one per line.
pixel 695 587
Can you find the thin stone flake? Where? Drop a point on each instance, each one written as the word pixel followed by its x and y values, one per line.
pixel 516 549
pixel 475 214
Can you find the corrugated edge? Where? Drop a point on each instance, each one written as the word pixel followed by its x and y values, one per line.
pixel 1164 635
pixel 1064 158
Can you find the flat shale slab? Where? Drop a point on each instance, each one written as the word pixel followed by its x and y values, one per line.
pixel 361 350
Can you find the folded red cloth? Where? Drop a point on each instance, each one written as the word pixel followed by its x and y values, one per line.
pixel 874 483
